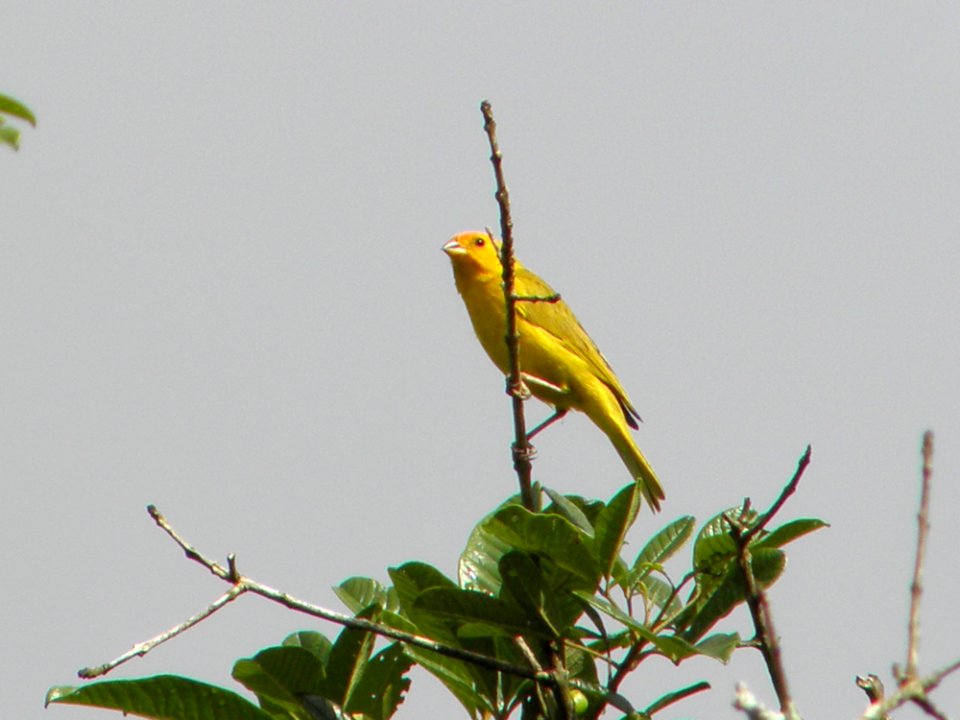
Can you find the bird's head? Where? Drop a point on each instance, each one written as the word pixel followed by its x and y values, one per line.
pixel 474 252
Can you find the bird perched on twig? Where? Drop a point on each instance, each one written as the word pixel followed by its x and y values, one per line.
pixel 559 363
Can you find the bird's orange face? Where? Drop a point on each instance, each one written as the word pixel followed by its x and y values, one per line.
pixel 474 252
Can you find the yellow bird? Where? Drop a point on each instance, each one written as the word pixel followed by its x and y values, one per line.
pixel 559 362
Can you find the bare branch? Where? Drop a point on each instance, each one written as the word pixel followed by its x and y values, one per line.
pixel 756 598
pixel 522 449
pixel 241 585
pixel 141 649
pixel 916 587
pixel 191 552
pixel 929 708
pixel 912 690
pixel 763 627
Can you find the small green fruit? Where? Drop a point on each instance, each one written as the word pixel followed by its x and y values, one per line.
pixel 579 701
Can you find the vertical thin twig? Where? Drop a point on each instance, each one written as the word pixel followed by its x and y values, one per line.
pixel 769 642
pixel 522 449
pixel 916 587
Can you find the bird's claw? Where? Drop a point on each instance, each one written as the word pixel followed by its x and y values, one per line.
pixel 520 390
pixel 526 452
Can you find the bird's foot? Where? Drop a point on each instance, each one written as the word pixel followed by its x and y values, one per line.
pixel 525 452
pixel 519 390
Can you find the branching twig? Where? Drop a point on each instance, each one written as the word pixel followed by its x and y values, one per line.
pixel 757 599
pixel 635 654
pixel 872 686
pixel 913 690
pixel 241 585
pixel 766 633
pixel 522 449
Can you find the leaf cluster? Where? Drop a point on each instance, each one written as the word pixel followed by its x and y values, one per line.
pixel 552 595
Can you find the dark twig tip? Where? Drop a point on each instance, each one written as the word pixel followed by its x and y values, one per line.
pixel 232 574
pixel 872 686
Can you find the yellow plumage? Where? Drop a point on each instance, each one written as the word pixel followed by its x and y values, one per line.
pixel 561 365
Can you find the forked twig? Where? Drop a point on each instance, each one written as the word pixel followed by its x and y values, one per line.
pixel 241 585
pixel 913 688
pixel 523 451
pixel 756 598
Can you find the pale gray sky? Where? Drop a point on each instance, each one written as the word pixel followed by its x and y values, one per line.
pixel 221 291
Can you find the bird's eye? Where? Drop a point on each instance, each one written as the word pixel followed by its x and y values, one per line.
pixel 479 242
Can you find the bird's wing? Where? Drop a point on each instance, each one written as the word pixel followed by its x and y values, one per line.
pixel 559 321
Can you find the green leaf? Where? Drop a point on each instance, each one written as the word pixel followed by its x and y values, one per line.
pixel 412 578
pixel 483 615
pixel 568 508
pixel 662 546
pixel 479 563
pixel 360 592
pixel 10 106
pixel 348 658
pixel 767 564
pixel 657 592
pixel 457 676
pixel 315 643
pixel 719 646
pixel 581 664
pixel 676 696
pixel 410 581
pixel 670 646
pixel 715 562
pixel 714 545
pixel 523 582
pixel 548 535
pixel 279 677
pixel 383 685
pixel 718 596
pixel 612 526
pixel 790 531
pixel 479 690
pixel 9 135
pixel 164 697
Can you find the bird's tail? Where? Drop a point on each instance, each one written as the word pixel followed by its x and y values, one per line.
pixel 601 405
pixel 639 468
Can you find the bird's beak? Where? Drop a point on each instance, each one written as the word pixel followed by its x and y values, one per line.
pixel 454 248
